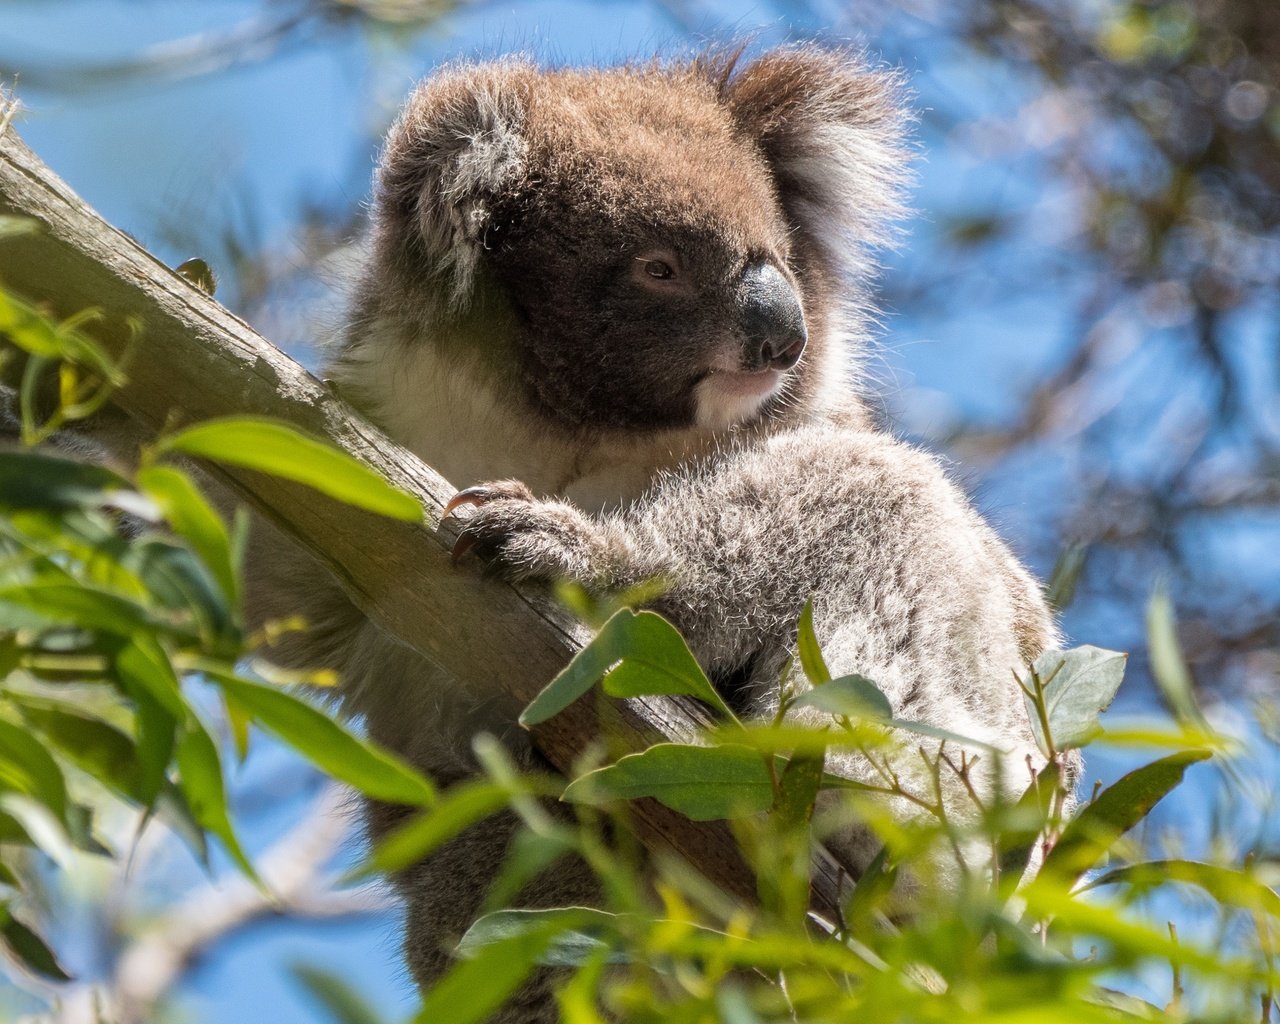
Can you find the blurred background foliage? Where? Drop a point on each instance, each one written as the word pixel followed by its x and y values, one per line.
pixel 1084 312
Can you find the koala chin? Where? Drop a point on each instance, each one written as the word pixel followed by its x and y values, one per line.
pixel 622 310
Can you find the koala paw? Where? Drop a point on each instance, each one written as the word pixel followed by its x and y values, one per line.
pixel 520 537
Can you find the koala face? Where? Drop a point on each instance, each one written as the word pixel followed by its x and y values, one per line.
pixel 647 262
pixel 663 247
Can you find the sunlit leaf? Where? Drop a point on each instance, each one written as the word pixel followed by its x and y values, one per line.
pixel 702 783
pixel 276 448
pixel 474 988
pixel 1118 808
pixel 577 934
pixel 193 518
pixel 27 767
pixel 811 659
pixel 1235 887
pixel 636 654
pixel 328 745
pixel 200 779
pixel 458 809
pixel 850 696
pixel 1079 685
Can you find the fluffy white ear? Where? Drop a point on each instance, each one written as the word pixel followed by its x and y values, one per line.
pixel 833 130
pixel 456 148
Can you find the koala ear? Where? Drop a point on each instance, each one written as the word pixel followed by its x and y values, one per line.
pixel 458 145
pixel 833 131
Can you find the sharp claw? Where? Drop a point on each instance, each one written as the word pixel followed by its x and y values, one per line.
pixel 461 546
pixel 467 496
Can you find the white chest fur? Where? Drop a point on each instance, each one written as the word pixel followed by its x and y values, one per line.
pixel 443 410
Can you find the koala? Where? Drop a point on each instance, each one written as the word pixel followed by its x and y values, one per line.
pixel 622 311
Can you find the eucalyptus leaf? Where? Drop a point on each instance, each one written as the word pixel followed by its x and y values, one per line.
pixel 458 809
pixel 851 696
pixel 1236 887
pixel 1079 685
pixel 193 518
pixel 1095 828
pixel 36 480
pixel 101 750
pixel 340 1001
pixel 1168 666
pixel 577 938
pixel 324 742
pixel 26 766
pixel 811 659
pixel 636 654
pixel 30 949
pixel 200 779
pixel 269 446
pixel 702 783
pixel 476 987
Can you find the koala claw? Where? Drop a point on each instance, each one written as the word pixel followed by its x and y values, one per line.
pixel 483 493
pixel 520 537
pixel 464 543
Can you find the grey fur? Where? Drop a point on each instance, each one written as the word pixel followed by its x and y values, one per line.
pixel 502 330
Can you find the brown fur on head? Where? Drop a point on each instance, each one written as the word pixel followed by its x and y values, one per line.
pixel 642 248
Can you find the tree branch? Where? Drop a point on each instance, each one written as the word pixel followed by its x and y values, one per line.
pixel 193 360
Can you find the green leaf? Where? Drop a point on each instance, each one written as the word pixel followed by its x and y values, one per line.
pixel 171 807
pixel 1096 826
pixel 636 654
pixel 1079 685
pixel 1060 591
pixel 342 1003
pixel 797 789
pixel 1234 887
pixel 871 889
pixel 575 941
pixel 272 447
pixel 458 809
pixel 75 604
pixel 945 735
pixel 473 989
pixel 143 665
pixel 850 696
pixel 325 743
pixel 1168 666
pixel 811 659
pixel 27 767
pixel 702 783
pixel 34 480
pixel 193 519
pixel 1025 821
pixel 200 779
pixel 101 750
pixel 30 950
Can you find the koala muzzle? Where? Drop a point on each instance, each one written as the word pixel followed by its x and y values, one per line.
pixel 772 320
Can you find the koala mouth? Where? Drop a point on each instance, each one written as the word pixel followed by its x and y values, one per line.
pixel 723 398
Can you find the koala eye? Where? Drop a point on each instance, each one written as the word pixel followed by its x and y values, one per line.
pixel 657 268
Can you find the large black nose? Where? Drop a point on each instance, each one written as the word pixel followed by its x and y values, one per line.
pixel 772 319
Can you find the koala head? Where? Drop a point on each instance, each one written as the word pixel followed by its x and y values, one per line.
pixel 640 248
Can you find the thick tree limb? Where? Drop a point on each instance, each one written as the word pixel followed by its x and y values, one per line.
pixel 193 360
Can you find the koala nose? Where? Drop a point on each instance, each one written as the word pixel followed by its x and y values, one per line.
pixel 771 319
